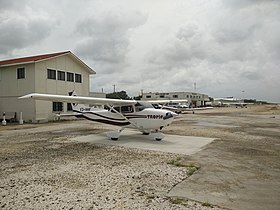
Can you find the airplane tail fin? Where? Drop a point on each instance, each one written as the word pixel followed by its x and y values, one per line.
pixel 78 107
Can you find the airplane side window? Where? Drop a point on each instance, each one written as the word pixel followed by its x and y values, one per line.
pixel 123 109
pixel 117 108
pixel 139 107
pixel 127 109
pixel 142 105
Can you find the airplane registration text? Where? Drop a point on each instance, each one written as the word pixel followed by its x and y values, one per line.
pixel 155 116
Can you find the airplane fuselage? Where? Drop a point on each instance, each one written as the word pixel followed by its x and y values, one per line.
pixel 146 119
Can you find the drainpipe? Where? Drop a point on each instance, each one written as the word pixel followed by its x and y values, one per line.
pixel 20 118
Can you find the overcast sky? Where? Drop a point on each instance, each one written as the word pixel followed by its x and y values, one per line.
pixel 224 46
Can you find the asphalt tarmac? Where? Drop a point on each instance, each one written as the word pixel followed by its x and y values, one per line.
pixel 186 145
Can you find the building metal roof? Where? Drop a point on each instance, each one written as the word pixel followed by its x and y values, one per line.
pixel 38 58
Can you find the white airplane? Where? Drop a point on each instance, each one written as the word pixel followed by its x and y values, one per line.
pixel 230 101
pixel 180 107
pixel 139 115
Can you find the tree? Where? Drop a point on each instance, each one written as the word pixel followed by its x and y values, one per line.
pixel 118 95
pixel 138 98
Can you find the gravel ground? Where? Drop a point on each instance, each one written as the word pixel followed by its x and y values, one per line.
pixel 42 169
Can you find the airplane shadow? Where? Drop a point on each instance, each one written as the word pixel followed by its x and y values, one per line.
pixel 171 143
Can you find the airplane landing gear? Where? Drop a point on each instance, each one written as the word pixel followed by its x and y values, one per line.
pixel 157 136
pixel 114 135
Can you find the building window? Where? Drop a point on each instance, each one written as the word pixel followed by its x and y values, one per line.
pixel 21 73
pixel 148 96
pixel 187 96
pixel 161 96
pixel 175 96
pixel 70 77
pixel 51 74
pixel 61 75
pixel 78 78
pixel 57 106
pixel 69 107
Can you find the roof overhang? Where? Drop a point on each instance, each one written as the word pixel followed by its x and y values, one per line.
pixel 90 70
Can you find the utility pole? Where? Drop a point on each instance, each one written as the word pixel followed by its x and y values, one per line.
pixel 194 84
pixel 114 88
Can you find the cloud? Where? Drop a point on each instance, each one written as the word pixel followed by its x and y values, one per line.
pixel 251 75
pixel 244 4
pixel 235 50
pixel 223 46
pixel 22 28
pixel 10 5
pixel 105 39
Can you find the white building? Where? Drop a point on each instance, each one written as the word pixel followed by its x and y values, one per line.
pixel 194 99
pixel 56 73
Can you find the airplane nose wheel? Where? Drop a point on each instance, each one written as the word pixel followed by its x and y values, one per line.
pixel 157 136
pixel 113 135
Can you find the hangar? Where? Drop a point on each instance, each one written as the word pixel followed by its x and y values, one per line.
pixel 195 99
pixel 55 73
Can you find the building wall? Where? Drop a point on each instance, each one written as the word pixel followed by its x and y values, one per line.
pixel 11 88
pixel 36 81
pixel 197 99
pixel 44 109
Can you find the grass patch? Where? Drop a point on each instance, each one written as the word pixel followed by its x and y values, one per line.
pixel 179 201
pixel 207 204
pixel 192 167
pixel 184 202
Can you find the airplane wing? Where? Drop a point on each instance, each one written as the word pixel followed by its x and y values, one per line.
pixel 79 99
pixel 198 108
pixel 165 101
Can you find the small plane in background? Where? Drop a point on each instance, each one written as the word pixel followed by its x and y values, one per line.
pixel 179 107
pixel 140 115
pixel 230 101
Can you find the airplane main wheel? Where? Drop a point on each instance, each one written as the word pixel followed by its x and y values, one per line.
pixel 145 133
pixel 114 139
pixel 158 139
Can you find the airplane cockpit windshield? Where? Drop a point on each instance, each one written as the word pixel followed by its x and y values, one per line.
pixel 142 105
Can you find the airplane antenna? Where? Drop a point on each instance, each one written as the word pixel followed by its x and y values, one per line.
pixel 243 95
